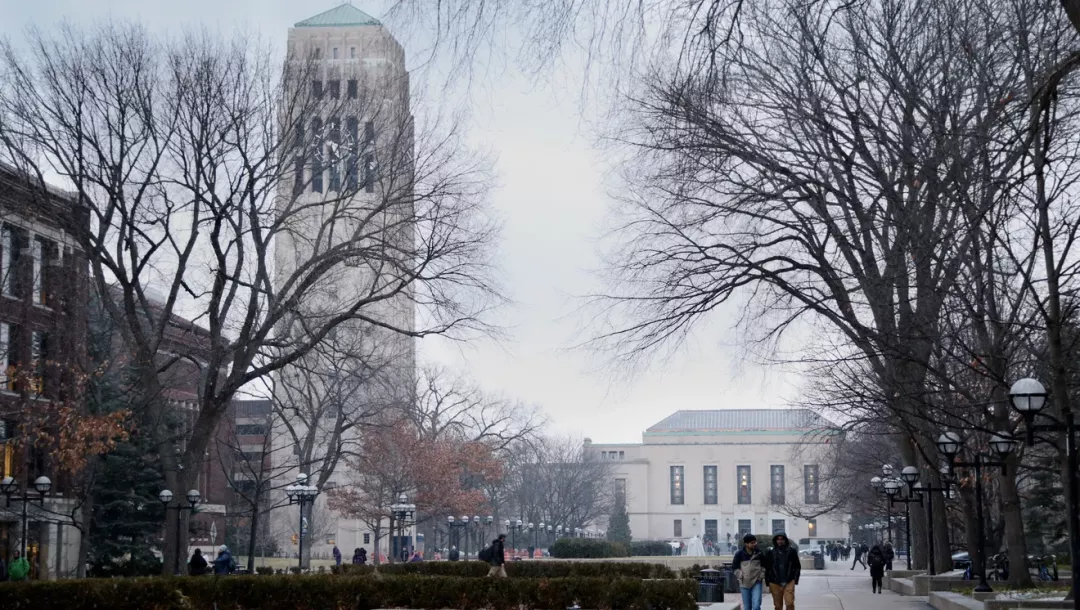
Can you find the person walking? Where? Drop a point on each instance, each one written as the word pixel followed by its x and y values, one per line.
pixel 498 557
pixel 337 555
pixel 889 555
pixel 19 570
pixel 749 567
pixel 358 558
pixel 876 560
pixel 224 563
pixel 782 572
pixel 196 566
pixel 858 557
pixel 453 555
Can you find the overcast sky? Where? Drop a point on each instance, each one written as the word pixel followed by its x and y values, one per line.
pixel 553 200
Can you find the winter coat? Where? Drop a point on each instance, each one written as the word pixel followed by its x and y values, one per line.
pixel 889 553
pixel 197 565
pixel 19 569
pixel 498 552
pixel 782 565
pixel 749 568
pixel 876 561
pixel 337 556
pixel 224 563
pixel 454 555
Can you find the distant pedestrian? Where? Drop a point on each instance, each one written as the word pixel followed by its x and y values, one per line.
pixel 416 557
pixel 358 559
pixel 454 554
pixel 783 569
pixel 197 565
pixel 337 555
pixel 224 564
pixel 19 569
pixel 876 560
pixel 498 557
pixel 858 557
pixel 749 567
pixel 889 554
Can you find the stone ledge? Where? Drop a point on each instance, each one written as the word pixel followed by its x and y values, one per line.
pixel 1008 604
pixel 902 586
pixel 947 600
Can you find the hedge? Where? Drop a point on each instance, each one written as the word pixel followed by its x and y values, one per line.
pixel 349 593
pixel 650 548
pixel 587 548
pixel 518 569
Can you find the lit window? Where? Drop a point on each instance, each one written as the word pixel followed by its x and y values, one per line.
pixel 776 484
pixel 742 480
pixel 677 489
pixel 811 527
pixel 710 485
pixel 811 483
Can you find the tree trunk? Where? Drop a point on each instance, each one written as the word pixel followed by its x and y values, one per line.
pixel 1014 527
pixel 87 521
pixel 971 536
pixel 942 539
pixel 253 534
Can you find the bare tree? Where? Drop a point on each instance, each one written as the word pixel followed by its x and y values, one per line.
pixel 184 152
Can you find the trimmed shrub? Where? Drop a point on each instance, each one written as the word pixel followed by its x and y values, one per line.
pixel 264 570
pixel 518 569
pixel 350 593
pixel 650 548
pixel 588 548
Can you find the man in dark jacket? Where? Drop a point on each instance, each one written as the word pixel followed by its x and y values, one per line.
pixel 889 554
pixel 454 554
pixel 782 571
pixel 498 557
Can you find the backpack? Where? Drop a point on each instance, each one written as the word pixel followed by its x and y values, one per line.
pixel 486 554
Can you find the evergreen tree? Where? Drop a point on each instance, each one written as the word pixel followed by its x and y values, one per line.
pixel 619 524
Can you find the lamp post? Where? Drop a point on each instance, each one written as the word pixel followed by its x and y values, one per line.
pixel 517 528
pixel 879 486
pixel 303 494
pixel 929 490
pixel 550 530
pixel 460 524
pixel 404 514
pixel 8 487
pixel 1028 397
pixel 950 444
pixel 910 477
pixel 166 496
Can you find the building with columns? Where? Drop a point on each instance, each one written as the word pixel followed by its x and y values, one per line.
pixel 724 473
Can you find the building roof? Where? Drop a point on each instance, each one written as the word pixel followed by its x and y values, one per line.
pixel 740 420
pixel 341 16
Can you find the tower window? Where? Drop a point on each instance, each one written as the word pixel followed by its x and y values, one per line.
pixel 335 53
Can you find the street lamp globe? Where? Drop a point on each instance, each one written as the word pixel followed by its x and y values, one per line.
pixel 507 524
pixel 950 444
pixel 1028 395
pixel 542 526
pixel 887 470
pixel 42 485
pixel 519 524
pixel 530 525
pixel 403 499
pixel 876 483
pixel 194 496
pixel 550 528
pixel 450 519
pixel 476 519
pixel 910 474
pixel 164 495
pixel 8 485
pixel 301 479
pixel 892 487
pixel 490 519
pixel 1003 444
pixel 465 519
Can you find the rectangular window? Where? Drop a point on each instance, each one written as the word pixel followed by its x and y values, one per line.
pixel 622 455
pixel 712 531
pixel 7 357
pixel 44 253
pixel 778 527
pixel 352 52
pixel 332 155
pixel 811 483
pixel 742 481
pixel 316 156
pixel 39 354
pixel 369 157
pixel 335 53
pixel 678 528
pixel 352 89
pixel 710 485
pixel 318 52
pixel 367 538
pixel 776 485
pixel 677 485
pixel 9 258
pixel 316 89
pixel 353 142
pixel 745 525
pixel 620 491
pixel 335 88
pixel 811 527
pixel 250 429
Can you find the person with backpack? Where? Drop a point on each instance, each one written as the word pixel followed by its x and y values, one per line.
pixel 889 555
pixel 496 556
pixel 19 569
pixel 876 559
pixel 782 571
pixel 453 555
pixel 749 567
pixel 197 564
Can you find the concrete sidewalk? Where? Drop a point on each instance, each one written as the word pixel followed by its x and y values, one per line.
pixel 845 590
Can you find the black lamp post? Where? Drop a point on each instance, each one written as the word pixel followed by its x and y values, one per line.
pixel 8 487
pixel 879 486
pixel 929 490
pixel 1028 397
pixel 459 524
pixel 166 497
pixel 550 533
pixel 404 515
pixel 490 529
pixel 910 477
pixel 303 494
pixel 950 444
pixel 518 526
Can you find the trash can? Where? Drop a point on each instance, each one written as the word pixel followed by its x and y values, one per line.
pixel 819 560
pixel 709 589
pixel 730 584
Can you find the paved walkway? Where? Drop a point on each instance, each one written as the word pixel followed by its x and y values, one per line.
pixel 839 588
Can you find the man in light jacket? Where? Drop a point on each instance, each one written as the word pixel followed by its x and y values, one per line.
pixel 749 567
